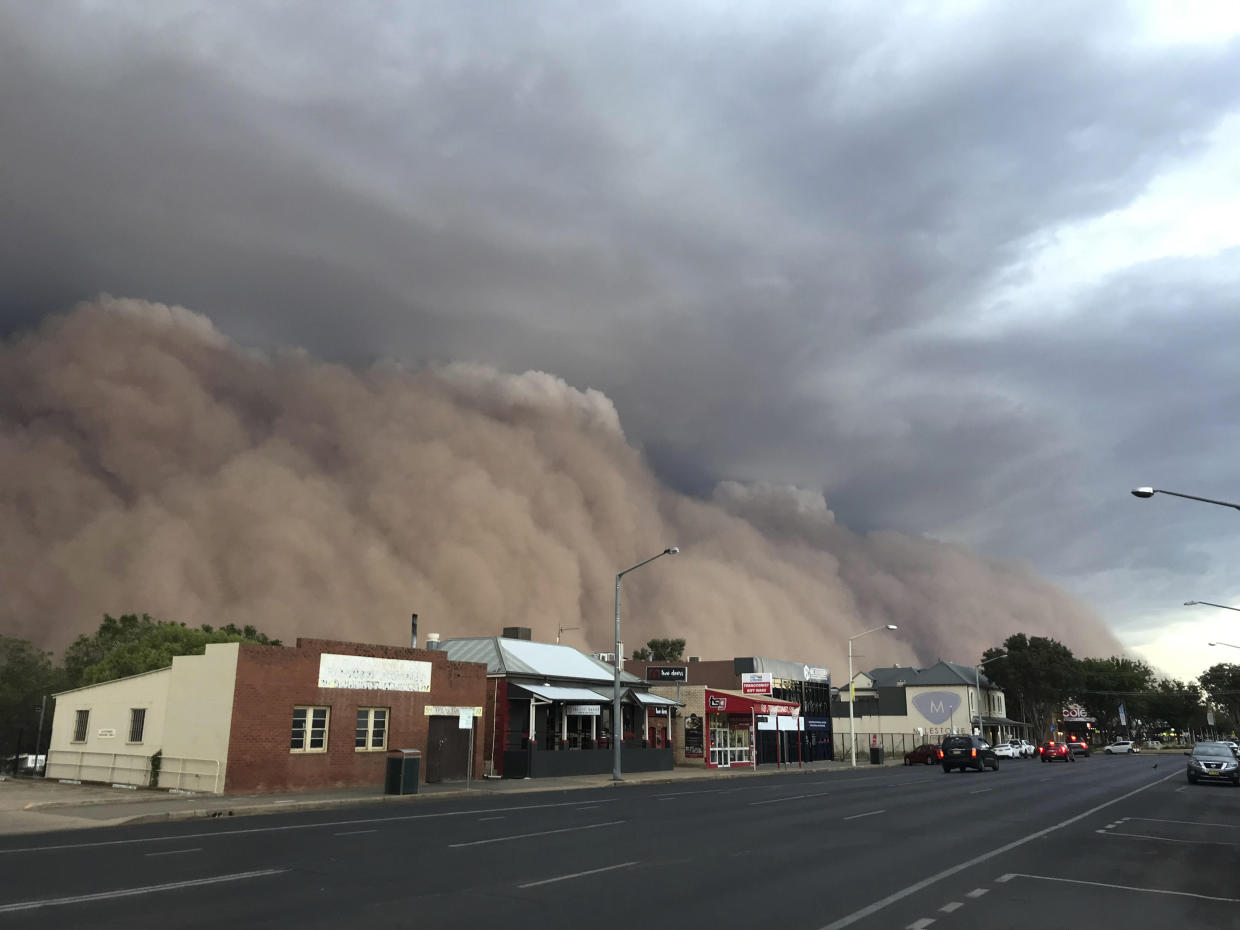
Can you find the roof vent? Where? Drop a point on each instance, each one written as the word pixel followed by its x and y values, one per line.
pixel 432 640
pixel 517 632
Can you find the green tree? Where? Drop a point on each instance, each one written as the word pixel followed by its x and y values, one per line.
pixel 1108 683
pixel 1177 705
pixel 661 650
pixel 130 645
pixel 1041 674
pixel 26 677
pixel 1222 683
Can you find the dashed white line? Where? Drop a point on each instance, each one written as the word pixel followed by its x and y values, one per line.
pixel 866 814
pixel 175 852
pixel 951 906
pixel 356 832
pixel 981 790
pixel 131 892
pixel 921 924
pixel 976 892
pixel 525 836
pixel 564 878
pixel 485 819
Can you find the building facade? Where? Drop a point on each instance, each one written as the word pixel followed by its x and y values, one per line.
pixel 244 717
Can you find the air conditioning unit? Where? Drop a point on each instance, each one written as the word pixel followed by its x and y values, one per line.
pixel 608 657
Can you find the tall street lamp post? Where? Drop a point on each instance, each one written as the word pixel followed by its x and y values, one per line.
pixel 1150 492
pixel 977 683
pixel 1232 645
pixel 617 727
pixel 1208 604
pixel 852 691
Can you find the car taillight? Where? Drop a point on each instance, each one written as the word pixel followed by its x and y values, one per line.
pixel 973 753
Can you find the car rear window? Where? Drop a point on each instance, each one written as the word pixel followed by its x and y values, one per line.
pixel 957 742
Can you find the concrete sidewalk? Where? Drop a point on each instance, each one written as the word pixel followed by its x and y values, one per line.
pixel 33 805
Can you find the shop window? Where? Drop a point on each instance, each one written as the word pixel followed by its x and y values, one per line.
pixel 371 732
pixel 309 729
pixel 137 723
pixel 80 722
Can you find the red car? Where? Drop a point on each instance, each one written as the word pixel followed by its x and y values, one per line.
pixel 925 754
pixel 1052 751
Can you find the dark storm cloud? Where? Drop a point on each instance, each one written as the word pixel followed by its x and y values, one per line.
pixel 750 229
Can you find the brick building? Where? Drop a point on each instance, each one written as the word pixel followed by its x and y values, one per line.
pixel 249 718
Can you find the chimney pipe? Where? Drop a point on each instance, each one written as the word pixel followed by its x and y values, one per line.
pixel 413 633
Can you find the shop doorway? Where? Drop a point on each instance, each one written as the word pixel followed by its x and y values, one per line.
pixel 447 750
pixel 720 753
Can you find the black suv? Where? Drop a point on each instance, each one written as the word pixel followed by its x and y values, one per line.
pixel 968 752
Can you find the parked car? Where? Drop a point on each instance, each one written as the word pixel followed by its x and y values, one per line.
pixel 1027 749
pixel 1079 747
pixel 1213 762
pixel 968 752
pixel 1051 751
pixel 1232 745
pixel 1007 750
pixel 1122 746
pixel 925 754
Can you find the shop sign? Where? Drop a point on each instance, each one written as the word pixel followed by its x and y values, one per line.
pixel 450 710
pixel 658 711
pixel 816 723
pixel 1077 713
pixel 813 673
pixel 368 673
pixel 756 683
pixel 582 710
pixel 717 703
pixel 107 733
pixel 667 673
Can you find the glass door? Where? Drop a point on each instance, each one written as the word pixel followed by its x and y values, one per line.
pixel 720 748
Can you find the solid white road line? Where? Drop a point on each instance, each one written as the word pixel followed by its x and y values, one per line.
pixel 875 907
pixel 1076 881
pixel 525 836
pixel 175 852
pixel 1191 823
pixel 131 892
pixel 866 814
pixel 356 832
pixel 795 797
pixel 1168 839
pixel 564 878
pixel 295 826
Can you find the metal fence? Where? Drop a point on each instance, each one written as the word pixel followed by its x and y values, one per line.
pixel 894 745
pixel 119 768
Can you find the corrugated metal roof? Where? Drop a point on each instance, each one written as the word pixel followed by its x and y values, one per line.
pixel 525 659
pixel 940 674
pixel 550 693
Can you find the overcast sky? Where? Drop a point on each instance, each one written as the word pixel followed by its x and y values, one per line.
pixel 970 270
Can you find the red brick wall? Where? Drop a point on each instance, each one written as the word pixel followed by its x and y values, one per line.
pixel 272 680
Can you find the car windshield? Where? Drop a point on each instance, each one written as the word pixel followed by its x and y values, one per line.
pixel 1213 750
pixel 958 742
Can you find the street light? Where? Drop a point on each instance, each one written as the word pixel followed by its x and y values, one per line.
pixel 617 728
pixel 977 683
pixel 1208 604
pixel 852 691
pixel 1150 492
pixel 1232 645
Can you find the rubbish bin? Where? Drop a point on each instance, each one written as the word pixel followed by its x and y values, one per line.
pixel 404 767
pixel 876 755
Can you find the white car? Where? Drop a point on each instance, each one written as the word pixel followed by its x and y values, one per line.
pixel 1006 751
pixel 1122 746
pixel 1027 749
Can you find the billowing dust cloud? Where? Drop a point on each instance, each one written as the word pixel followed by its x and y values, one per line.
pixel 151 465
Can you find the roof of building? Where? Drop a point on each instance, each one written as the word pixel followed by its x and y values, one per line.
pixel 525 659
pixel 941 674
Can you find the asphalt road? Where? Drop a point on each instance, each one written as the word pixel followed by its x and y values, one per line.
pixel 1109 841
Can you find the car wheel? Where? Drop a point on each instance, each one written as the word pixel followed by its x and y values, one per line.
pixel 929 761
pixel 995 766
pixel 1191 780
pixel 1108 752
pixel 946 769
pixel 1044 759
pixel 1131 751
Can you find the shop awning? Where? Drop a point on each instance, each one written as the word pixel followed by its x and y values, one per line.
pixel 734 702
pixel 564 695
pixel 647 699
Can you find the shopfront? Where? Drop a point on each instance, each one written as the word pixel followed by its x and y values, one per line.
pixel 732 724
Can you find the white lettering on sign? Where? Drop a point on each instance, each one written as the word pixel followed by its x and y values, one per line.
pixel 366 673
pixel 756 682
pixel 107 733
pixel 449 710
pixel 812 673
pixel 583 710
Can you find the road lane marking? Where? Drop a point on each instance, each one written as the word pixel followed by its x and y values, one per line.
pixel 592 807
pixel 1077 881
pixel 485 819
pixel 866 814
pixel 677 794
pixel 876 906
pixel 175 852
pixel 921 924
pixel 795 797
pixel 951 906
pixel 976 892
pixel 294 826
pixel 1169 839
pixel 525 836
pixel 132 892
pixel 1190 823
pixel 564 878
pixel 356 832
pixel 981 790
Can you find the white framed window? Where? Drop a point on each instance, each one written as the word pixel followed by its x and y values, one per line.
pixel 137 723
pixel 309 729
pixel 371 730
